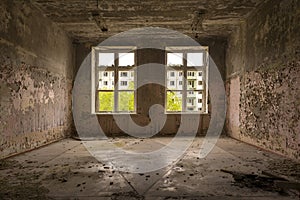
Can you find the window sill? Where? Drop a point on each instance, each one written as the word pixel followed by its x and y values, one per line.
pixel 186 113
pixel 97 113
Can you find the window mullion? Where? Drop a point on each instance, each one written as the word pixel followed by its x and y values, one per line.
pixel 205 83
pixel 97 87
pixel 116 79
pixel 184 85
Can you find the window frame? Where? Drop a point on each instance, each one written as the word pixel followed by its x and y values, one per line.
pixel 184 69
pixel 95 69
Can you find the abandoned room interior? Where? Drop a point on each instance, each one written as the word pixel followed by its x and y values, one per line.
pixel 132 99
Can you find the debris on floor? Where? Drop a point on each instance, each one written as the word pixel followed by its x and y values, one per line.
pixel 52 172
pixel 126 196
pixel 286 168
pixel 20 185
pixel 263 181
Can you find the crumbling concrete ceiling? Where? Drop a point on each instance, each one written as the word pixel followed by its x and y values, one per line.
pixel 220 19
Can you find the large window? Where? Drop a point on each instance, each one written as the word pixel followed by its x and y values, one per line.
pixel 186 75
pixel 114 77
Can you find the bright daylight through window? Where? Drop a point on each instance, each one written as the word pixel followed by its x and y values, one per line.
pixel 186 75
pixel 114 76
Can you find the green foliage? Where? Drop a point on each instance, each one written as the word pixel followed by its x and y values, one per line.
pixel 106 101
pixel 126 101
pixel 174 103
pixel 131 85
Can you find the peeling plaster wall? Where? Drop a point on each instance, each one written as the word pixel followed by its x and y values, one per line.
pixel 36 65
pixel 263 80
pixel 270 109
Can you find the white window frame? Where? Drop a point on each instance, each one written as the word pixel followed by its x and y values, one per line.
pixel 115 69
pixel 184 68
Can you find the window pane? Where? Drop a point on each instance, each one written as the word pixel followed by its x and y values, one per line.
pixel 126 80
pixel 194 101
pixel 106 80
pixel 194 80
pixel 126 59
pixel 106 59
pixel 194 59
pixel 106 101
pixel 174 59
pixel 126 101
pixel 174 101
pixel 174 80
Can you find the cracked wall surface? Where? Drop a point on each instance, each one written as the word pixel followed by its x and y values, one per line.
pixel 36 65
pixel 266 100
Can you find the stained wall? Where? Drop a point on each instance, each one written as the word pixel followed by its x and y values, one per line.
pixel 263 79
pixel 36 73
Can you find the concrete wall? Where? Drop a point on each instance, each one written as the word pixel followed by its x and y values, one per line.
pixel 263 79
pixel 36 75
pixel 151 94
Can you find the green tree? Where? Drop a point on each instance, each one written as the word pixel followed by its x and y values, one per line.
pixel 126 101
pixel 174 103
pixel 131 85
pixel 106 101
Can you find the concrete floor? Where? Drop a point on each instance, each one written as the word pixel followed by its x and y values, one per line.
pixel 66 170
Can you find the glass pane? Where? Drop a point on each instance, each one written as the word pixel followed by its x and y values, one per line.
pixel 194 80
pixel 174 101
pixel 106 59
pixel 174 79
pixel 126 59
pixel 126 101
pixel 194 101
pixel 174 59
pixel 106 101
pixel 194 59
pixel 126 80
pixel 106 80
